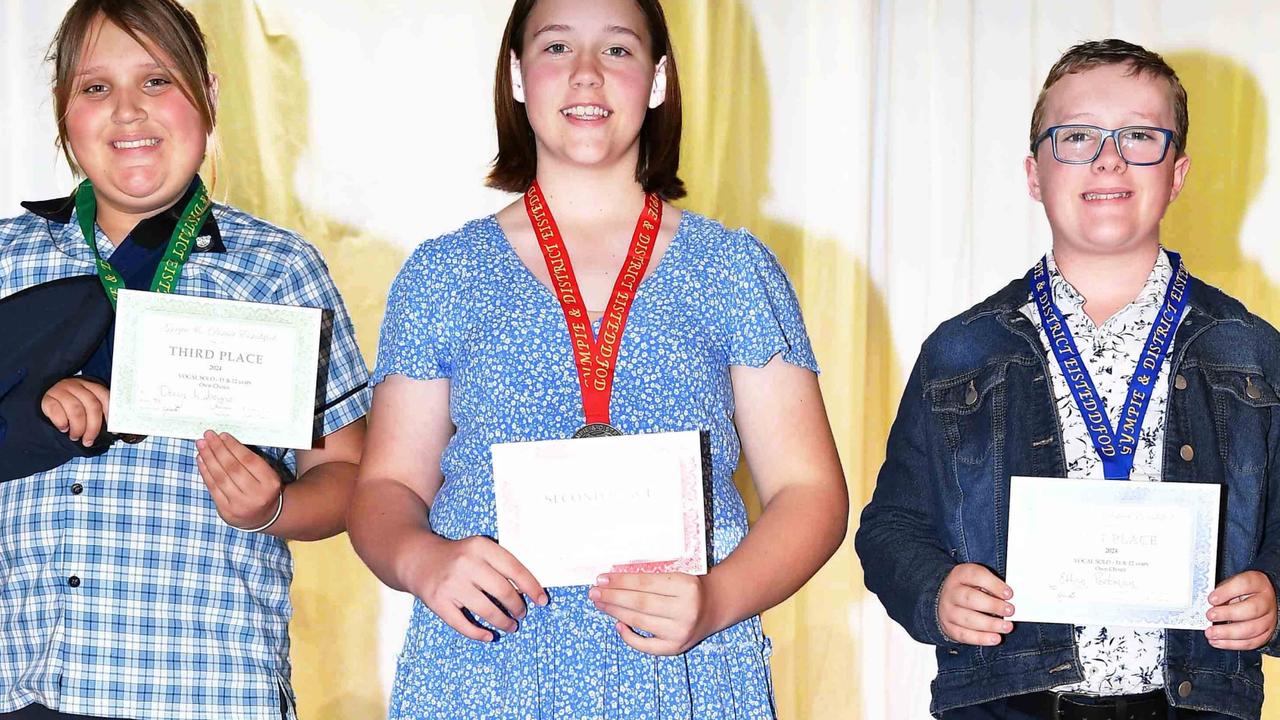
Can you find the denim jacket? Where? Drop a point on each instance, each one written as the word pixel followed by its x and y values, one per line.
pixel 942 495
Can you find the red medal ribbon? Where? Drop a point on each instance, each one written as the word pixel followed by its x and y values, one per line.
pixel 596 358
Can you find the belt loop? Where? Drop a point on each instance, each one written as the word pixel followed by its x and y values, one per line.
pixel 1056 705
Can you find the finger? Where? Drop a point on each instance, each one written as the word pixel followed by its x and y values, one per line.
pixel 53 410
pixel 511 568
pixel 643 602
pixel 218 454
pixel 655 626
pixel 972 598
pixel 978 622
pixel 100 392
pixel 74 408
pixel 980 577
pixel 1242 630
pixel 456 619
pixel 651 646
pixel 257 468
pixel 1245 583
pixel 94 417
pixel 216 473
pixel 500 590
pixel 1252 643
pixel 1250 608
pixel 484 608
pixel 668 584
pixel 220 498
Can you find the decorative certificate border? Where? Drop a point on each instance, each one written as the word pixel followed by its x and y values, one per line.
pixel 127 415
pixel 1036 504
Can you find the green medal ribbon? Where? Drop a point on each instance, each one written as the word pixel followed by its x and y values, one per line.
pixel 175 255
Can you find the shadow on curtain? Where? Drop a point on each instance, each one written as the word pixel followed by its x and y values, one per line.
pixel 725 161
pixel 1228 149
pixel 263 132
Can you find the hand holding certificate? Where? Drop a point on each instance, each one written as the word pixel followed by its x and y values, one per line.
pixel 570 510
pixel 184 365
pixel 1103 552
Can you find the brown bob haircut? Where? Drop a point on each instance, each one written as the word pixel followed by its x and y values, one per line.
pixel 516 165
pixel 163 27
pixel 1095 53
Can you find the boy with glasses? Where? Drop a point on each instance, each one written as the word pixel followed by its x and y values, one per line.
pixel 989 399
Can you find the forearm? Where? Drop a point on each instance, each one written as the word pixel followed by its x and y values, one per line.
pixel 386 519
pixel 315 505
pixel 799 530
pixel 905 567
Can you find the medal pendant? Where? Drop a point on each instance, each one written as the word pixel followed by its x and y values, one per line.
pixel 595 430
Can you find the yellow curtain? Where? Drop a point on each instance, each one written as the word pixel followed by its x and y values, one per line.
pixel 726 158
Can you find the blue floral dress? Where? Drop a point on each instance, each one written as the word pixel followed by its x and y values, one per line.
pixel 465 307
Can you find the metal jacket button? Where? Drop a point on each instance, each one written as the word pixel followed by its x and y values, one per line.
pixel 1184 689
pixel 1180 382
pixel 1187 452
pixel 971 394
pixel 1251 391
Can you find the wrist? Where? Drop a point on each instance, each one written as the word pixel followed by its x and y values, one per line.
pixel 279 509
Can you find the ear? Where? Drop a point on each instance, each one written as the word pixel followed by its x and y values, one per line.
pixel 517 79
pixel 1180 168
pixel 658 93
pixel 1031 165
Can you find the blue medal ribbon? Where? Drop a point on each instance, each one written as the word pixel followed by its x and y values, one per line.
pixel 1114 446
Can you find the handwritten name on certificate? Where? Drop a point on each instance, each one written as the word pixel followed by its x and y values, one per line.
pixel 184 365
pixel 1109 552
pixel 572 509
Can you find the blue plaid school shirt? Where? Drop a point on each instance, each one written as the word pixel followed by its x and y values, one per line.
pixel 122 593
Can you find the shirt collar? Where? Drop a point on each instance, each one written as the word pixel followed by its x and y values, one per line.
pixel 1070 301
pixel 152 232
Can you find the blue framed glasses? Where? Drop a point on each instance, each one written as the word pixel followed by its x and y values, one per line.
pixel 1082 144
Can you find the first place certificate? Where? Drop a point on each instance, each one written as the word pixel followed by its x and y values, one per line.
pixel 184 365
pixel 1112 552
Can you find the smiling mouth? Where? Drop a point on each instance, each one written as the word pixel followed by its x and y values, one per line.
pixel 135 144
pixel 1106 196
pixel 586 112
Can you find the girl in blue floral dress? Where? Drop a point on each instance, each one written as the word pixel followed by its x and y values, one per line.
pixel 475 351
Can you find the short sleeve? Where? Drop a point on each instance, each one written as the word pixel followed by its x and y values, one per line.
pixel 413 340
pixel 342 376
pixel 764 316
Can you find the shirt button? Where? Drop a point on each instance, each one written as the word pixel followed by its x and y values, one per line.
pixel 1184 689
pixel 73 581
pixel 1187 452
pixel 1180 382
pixel 77 489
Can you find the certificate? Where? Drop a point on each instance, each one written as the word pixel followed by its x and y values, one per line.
pixel 572 509
pixel 184 365
pixel 1112 552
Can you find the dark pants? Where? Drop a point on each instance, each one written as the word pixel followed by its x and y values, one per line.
pixel 1014 709
pixel 40 712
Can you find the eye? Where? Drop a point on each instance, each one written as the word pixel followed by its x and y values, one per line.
pixel 1138 135
pixel 617 51
pixel 1077 136
pixel 157 82
pixel 558 48
pixel 94 89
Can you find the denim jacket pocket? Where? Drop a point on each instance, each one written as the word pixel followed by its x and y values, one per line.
pixel 965 409
pixel 1243 402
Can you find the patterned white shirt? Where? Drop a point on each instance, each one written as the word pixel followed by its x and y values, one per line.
pixel 1116 660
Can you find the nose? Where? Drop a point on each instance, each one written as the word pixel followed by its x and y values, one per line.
pixel 586 72
pixel 128 108
pixel 1109 156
